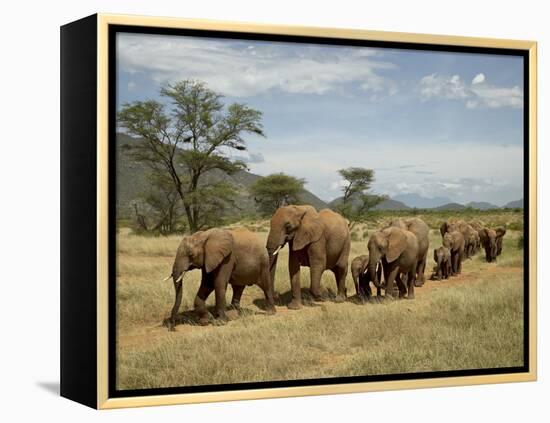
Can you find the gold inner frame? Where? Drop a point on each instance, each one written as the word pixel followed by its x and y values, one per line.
pixel 103 21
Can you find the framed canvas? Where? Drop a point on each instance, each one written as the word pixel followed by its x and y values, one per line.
pixel 257 211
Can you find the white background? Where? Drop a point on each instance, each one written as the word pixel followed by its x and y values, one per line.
pixel 29 215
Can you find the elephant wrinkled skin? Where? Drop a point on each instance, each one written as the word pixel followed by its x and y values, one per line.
pixel 467 231
pixel 318 240
pixel 223 256
pixel 397 250
pixel 454 241
pixel 442 258
pixel 361 277
pixel 422 232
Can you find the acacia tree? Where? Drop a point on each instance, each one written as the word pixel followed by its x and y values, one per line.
pixel 162 198
pixel 276 190
pixel 189 137
pixel 356 201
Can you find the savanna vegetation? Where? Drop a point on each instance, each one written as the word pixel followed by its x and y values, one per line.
pixel 474 320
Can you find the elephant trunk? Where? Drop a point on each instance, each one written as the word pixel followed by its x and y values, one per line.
pixel 439 268
pixel 374 262
pixel 274 243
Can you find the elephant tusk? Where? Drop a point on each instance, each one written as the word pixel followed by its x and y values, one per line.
pixel 167 278
pixel 276 250
pixel 178 280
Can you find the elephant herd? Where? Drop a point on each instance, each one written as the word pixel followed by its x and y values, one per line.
pixel 397 256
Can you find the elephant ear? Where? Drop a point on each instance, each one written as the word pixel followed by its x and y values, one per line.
pixel 500 231
pixel 443 228
pixel 483 235
pixel 218 246
pixel 397 242
pixel 310 230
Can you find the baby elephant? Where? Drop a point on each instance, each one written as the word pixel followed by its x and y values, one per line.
pixel 361 277
pixel 442 258
pixel 223 256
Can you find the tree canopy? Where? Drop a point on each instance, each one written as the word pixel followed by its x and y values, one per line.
pixel 356 201
pixel 276 190
pixel 189 136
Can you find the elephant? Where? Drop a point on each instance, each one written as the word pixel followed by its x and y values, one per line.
pixel 397 249
pixel 319 240
pixel 442 258
pixel 475 242
pixel 467 231
pixel 224 256
pixel 422 231
pixel 491 239
pixel 361 277
pixel 501 231
pixel 454 241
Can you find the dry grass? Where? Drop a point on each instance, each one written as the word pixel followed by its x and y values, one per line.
pixel 473 321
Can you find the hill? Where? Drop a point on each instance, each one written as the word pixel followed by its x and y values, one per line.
pixel 518 204
pixel 481 205
pixel 132 182
pixel 417 201
pixel 450 206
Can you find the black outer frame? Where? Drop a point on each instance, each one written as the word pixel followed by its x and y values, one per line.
pixel 79 204
pixel 79 211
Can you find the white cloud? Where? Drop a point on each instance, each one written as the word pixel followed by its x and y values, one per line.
pixel 450 87
pixel 478 79
pixel 469 170
pixel 131 86
pixel 479 94
pixel 241 69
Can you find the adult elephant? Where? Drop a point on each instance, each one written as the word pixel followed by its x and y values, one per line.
pixel 223 256
pixel 397 250
pixel 454 241
pixel 318 240
pixel 467 231
pixel 361 277
pixel 422 232
pixel 491 239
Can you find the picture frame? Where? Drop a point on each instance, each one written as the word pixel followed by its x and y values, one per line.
pixel 88 210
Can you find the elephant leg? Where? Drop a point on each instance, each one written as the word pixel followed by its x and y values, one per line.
pixel 237 293
pixel 365 287
pixel 401 286
pixel 316 271
pixel 459 262
pixel 267 287
pixel 453 263
pixel 220 287
pixel 410 286
pixel 340 274
pixel 176 307
pixel 421 268
pixel 391 276
pixel 357 283
pixel 294 271
pixel 204 291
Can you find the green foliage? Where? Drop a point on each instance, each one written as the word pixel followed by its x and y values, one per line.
pixel 357 202
pixel 520 242
pixel 189 138
pixel 276 190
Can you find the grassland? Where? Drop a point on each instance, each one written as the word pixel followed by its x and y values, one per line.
pixel 471 321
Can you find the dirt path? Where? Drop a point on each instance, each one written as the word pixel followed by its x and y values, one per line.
pixel 147 335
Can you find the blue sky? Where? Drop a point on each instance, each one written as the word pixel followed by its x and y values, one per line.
pixel 431 123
